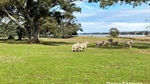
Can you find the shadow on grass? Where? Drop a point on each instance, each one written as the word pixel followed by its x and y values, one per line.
pixel 141 45
pixel 106 47
pixel 52 43
pixel 13 41
pixel 120 46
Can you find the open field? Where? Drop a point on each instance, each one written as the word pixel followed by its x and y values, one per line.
pixel 52 61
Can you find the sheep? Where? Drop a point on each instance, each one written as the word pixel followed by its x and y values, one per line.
pixel 75 47
pixel 83 46
pixel 128 43
pixel 106 43
pixel 99 43
pixel 114 43
pixel 110 40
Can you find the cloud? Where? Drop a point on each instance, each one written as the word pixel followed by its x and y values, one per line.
pixel 84 15
pixel 122 15
pixel 87 6
pixel 125 17
pixel 89 27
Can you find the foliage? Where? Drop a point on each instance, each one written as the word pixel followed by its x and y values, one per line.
pixel 36 14
pixel 114 32
pixel 20 32
pixel 107 3
pixel 7 29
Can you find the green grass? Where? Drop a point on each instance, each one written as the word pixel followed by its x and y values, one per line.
pixel 53 62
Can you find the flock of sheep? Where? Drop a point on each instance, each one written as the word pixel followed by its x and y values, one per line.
pixel 113 43
pixel 80 47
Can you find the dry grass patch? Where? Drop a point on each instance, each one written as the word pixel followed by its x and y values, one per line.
pixel 11 59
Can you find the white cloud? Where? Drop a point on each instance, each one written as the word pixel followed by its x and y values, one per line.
pixel 105 15
pixel 89 27
pixel 83 15
pixel 131 12
pixel 125 18
pixel 87 6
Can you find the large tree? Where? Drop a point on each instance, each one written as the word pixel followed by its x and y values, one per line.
pixel 34 13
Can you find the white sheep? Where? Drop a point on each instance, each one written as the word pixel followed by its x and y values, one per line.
pixel 128 43
pixel 83 45
pixel 99 43
pixel 75 47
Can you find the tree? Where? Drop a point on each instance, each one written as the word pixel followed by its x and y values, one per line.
pixel 114 32
pixel 20 32
pixel 63 24
pixel 34 13
pixel 7 29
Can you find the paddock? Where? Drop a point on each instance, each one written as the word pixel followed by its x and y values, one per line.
pixel 52 61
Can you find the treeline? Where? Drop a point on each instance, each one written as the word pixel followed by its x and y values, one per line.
pixel 121 33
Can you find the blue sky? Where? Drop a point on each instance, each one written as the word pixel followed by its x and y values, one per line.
pixel 122 17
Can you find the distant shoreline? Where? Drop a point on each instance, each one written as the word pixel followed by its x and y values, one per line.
pixel 121 34
pixel 105 35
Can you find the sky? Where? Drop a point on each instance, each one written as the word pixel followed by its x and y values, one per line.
pixel 123 17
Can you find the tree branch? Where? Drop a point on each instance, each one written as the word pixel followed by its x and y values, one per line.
pixel 13 19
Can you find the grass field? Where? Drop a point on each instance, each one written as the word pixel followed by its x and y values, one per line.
pixel 52 61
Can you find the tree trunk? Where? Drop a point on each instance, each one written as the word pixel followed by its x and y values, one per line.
pixel 34 39
pixel 31 28
pixel 34 34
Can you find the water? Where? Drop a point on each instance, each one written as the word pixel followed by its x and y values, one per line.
pixel 99 35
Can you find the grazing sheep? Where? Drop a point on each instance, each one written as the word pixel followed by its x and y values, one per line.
pixel 83 45
pixel 114 43
pixel 99 43
pixel 128 43
pixel 110 40
pixel 75 47
pixel 106 43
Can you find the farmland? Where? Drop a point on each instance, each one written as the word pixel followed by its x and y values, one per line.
pixel 52 61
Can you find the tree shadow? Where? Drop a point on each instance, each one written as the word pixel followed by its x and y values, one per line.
pixel 106 47
pixel 141 45
pixel 25 41
pixel 13 41
pixel 120 46
pixel 54 43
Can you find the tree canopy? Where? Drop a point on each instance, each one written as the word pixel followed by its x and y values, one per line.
pixel 37 15
pixel 107 3
pixel 114 32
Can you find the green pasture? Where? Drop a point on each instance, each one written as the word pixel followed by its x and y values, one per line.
pixel 53 62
